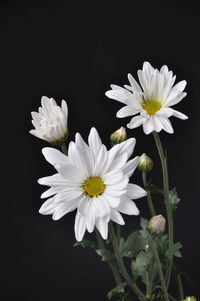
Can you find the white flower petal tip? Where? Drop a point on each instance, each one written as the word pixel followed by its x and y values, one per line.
pixel 50 121
pixel 92 180
pixel 151 98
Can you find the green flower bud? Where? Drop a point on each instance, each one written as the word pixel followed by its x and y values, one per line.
pixel 118 136
pixel 190 298
pixel 156 225
pixel 145 163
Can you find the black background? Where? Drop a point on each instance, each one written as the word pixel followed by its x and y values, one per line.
pixel 74 51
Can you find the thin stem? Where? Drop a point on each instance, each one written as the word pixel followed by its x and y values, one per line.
pixel 179 282
pixel 113 267
pixel 167 204
pixel 122 267
pixel 118 233
pixel 64 149
pixel 149 199
pixel 157 259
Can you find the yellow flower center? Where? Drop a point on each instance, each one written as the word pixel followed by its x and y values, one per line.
pixel 93 186
pixel 151 106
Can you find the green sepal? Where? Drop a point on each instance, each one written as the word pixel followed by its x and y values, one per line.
pixel 117 290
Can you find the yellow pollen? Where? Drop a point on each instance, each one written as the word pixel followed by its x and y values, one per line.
pixel 93 186
pixel 151 106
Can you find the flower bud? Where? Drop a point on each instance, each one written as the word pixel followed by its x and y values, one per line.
pixel 51 121
pixel 145 163
pixel 190 298
pixel 118 136
pixel 156 225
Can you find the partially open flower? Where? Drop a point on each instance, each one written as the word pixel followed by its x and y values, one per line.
pixel 156 224
pixel 118 136
pixel 145 163
pixel 51 121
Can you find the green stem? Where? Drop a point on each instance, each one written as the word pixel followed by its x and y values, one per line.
pixel 149 199
pixel 157 259
pixel 167 204
pixel 64 149
pixel 179 282
pixel 122 267
pixel 113 267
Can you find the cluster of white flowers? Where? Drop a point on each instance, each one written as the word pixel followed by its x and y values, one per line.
pixel 92 179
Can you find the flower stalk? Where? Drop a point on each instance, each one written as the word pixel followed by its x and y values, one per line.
pixel 121 265
pixel 157 259
pixel 149 199
pixel 163 160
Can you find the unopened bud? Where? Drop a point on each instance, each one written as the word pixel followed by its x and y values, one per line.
pixel 190 298
pixel 145 163
pixel 156 224
pixel 118 136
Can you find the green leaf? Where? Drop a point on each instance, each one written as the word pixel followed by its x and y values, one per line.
pixel 141 264
pixel 133 245
pixel 107 256
pixel 153 189
pixel 175 250
pixel 117 290
pixel 174 199
pixel 143 223
pixel 86 243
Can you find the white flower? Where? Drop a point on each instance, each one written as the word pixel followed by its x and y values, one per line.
pixel 153 101
pixel 92 180
pixel 51 121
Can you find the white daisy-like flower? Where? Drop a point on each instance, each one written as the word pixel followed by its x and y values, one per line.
pixel 92 180
pixel 152 101
pixel 51 121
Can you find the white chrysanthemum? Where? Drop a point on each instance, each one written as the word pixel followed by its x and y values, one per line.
pixel 51 121
pixel 153 101
pixel 93 180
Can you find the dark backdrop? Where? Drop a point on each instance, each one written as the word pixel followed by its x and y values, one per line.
pixel 74 50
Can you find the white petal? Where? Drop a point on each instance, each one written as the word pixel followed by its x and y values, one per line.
pixel 127 206
pixel 72 173
pixel 136 121
pixel 176 99
pixel 65 208
pixel 166 124
pixel 126 111
pixel 120 95
pixel 148 126
pixel 102 207
pixel 130 166
pixel 112 200
pixel 102 227
pixel 54 180
pixel 49 192
pixel 64 109
pixel 113 177
pixel 118 186
pixel 157 126
pixel 54 156
pixel 79 227
pixel 67 195
pixel 48 207
pixel 135 86
pixel 86 152
pixel 91 216
pixel 135 192
pixel 116 217
pixel 94 141
pixel 179 115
